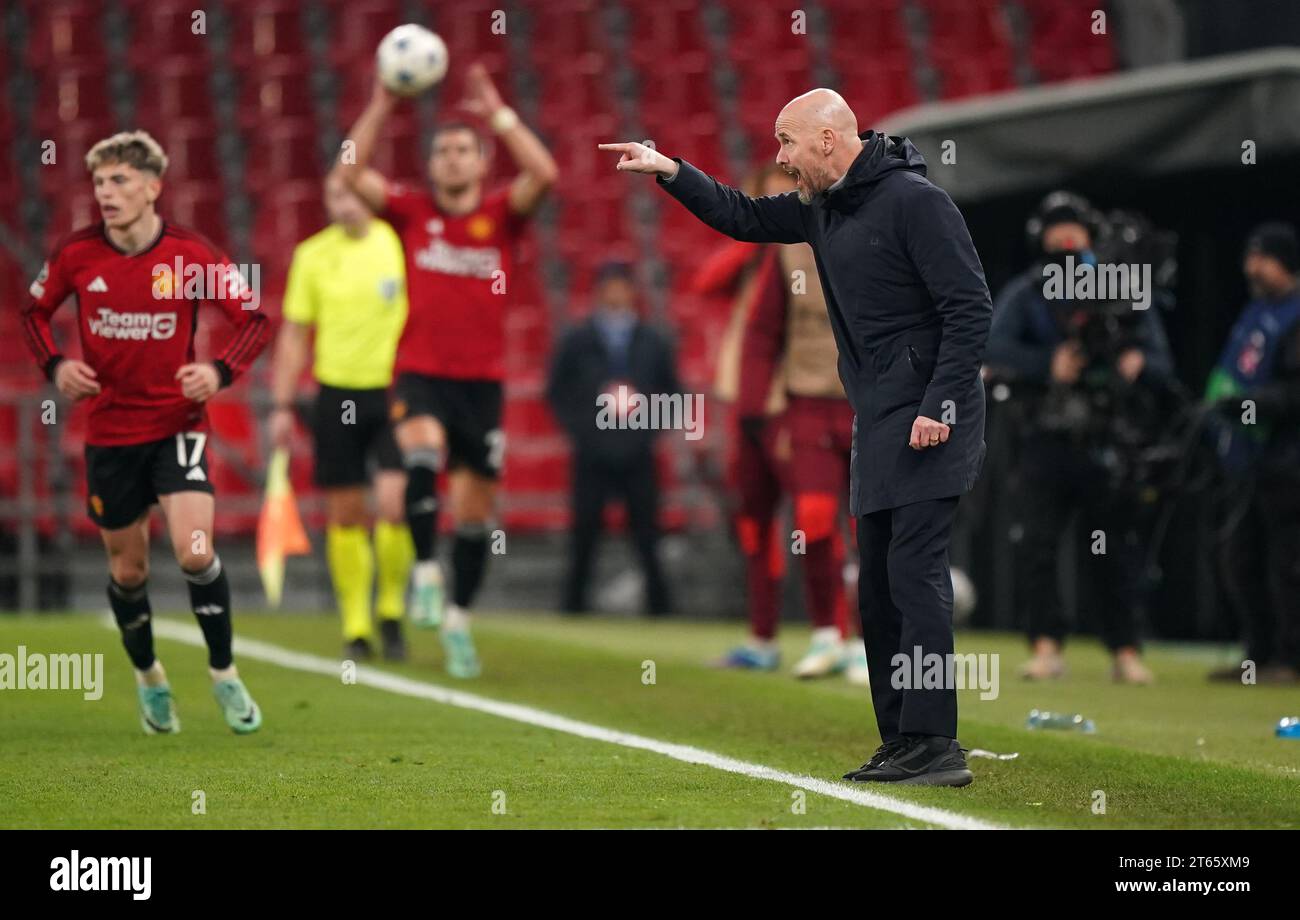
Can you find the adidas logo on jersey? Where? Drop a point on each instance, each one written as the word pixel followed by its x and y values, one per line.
pixel 196 473
pixel 97 286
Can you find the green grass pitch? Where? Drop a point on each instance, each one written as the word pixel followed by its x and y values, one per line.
pixel 1181 754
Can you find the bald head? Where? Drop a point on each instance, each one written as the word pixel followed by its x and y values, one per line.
pixel 818 137
pixel 820 108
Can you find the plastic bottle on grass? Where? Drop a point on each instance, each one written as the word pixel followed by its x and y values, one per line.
pixel 1289 728
pixel 1060 721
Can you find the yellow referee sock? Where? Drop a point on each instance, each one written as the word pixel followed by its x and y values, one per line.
pixel 394 553
pixel 352 569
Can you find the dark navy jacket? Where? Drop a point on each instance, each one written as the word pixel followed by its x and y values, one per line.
pixel 908 305
pixel 581 369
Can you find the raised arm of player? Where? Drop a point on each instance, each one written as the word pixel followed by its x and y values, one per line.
pixel 74 379
pixel 537 168
pixel 354 158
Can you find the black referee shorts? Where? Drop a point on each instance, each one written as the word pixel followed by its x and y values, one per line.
pixel 353 436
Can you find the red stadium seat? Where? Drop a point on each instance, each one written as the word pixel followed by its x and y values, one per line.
pixel 876 86
pixel 401 153
pixel 285 151
pixel 466 27
pixel 162 29
pixel 69 95
pixel 354 87
pixel 72 210
pixel 356 28
pixel 290 213
pixel 866 29
pixel 672 28
pixel 199 206
pixel 554 39
pixel 970 46
pixel 276 89
pixel 1064 46
pixel 71 142
pixel 267 29
pixel 964 75
pixel 173 89
pixel 191 148
pixel 65 32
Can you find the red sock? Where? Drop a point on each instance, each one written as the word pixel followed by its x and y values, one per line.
pixel 762 579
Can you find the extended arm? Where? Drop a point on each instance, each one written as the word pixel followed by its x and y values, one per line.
pixel 772 219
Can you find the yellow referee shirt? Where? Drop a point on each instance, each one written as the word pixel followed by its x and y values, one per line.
pixel 354 292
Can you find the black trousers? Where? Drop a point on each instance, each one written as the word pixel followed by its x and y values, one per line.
pixel 595 482
pixel 1063 488
pixel 905 602
pixel 1260 567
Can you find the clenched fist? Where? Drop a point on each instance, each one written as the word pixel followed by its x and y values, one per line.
pixel 75 379
pixel 199 382
pixel 926 432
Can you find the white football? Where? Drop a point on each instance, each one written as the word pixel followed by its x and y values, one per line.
pixel 411 59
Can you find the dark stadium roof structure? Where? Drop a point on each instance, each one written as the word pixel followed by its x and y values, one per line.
pixel 1149 122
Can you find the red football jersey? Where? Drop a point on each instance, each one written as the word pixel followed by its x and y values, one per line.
pixel 137 316
pixel 457 279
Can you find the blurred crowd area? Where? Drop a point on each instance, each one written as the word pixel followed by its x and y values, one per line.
pixel 252 108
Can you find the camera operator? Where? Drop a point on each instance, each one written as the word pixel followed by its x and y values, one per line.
pixel 1093 371
pixel 1256 388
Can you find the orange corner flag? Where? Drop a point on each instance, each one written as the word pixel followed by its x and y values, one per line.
pixel 279 528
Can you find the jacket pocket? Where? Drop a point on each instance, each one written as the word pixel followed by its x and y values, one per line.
pixel 921 364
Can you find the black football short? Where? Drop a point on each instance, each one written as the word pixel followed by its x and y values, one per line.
pixel 470 413
pixel 353 436
pixel 124 481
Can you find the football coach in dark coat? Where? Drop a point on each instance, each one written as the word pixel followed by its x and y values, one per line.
pixel 911 312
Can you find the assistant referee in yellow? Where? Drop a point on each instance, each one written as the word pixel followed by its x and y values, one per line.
pixel 348 282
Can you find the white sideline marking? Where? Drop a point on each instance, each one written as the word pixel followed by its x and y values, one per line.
pixel 405 686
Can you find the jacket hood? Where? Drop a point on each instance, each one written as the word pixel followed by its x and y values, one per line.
pixel 881 154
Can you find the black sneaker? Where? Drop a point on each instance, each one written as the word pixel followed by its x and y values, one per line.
pixel 927 760
pixel 394 642
pixel 357 650
pixel 883 753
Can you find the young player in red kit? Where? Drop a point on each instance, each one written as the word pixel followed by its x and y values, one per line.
pixel 450 359
pixel 138 283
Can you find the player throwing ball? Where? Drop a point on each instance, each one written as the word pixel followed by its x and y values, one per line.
pixel 134 277
pixel 458 240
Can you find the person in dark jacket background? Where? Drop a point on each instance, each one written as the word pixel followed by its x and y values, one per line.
pixel 1041 347
pixel 910 310
pixel 608 359
pixel 1260 450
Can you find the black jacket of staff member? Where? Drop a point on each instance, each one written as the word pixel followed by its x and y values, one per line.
pixel 910 311
pixel 908 303
pixel 611 351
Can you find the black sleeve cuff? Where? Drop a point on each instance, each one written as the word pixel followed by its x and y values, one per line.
pixel 662 181
pixel 51 366
pixel 224 372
